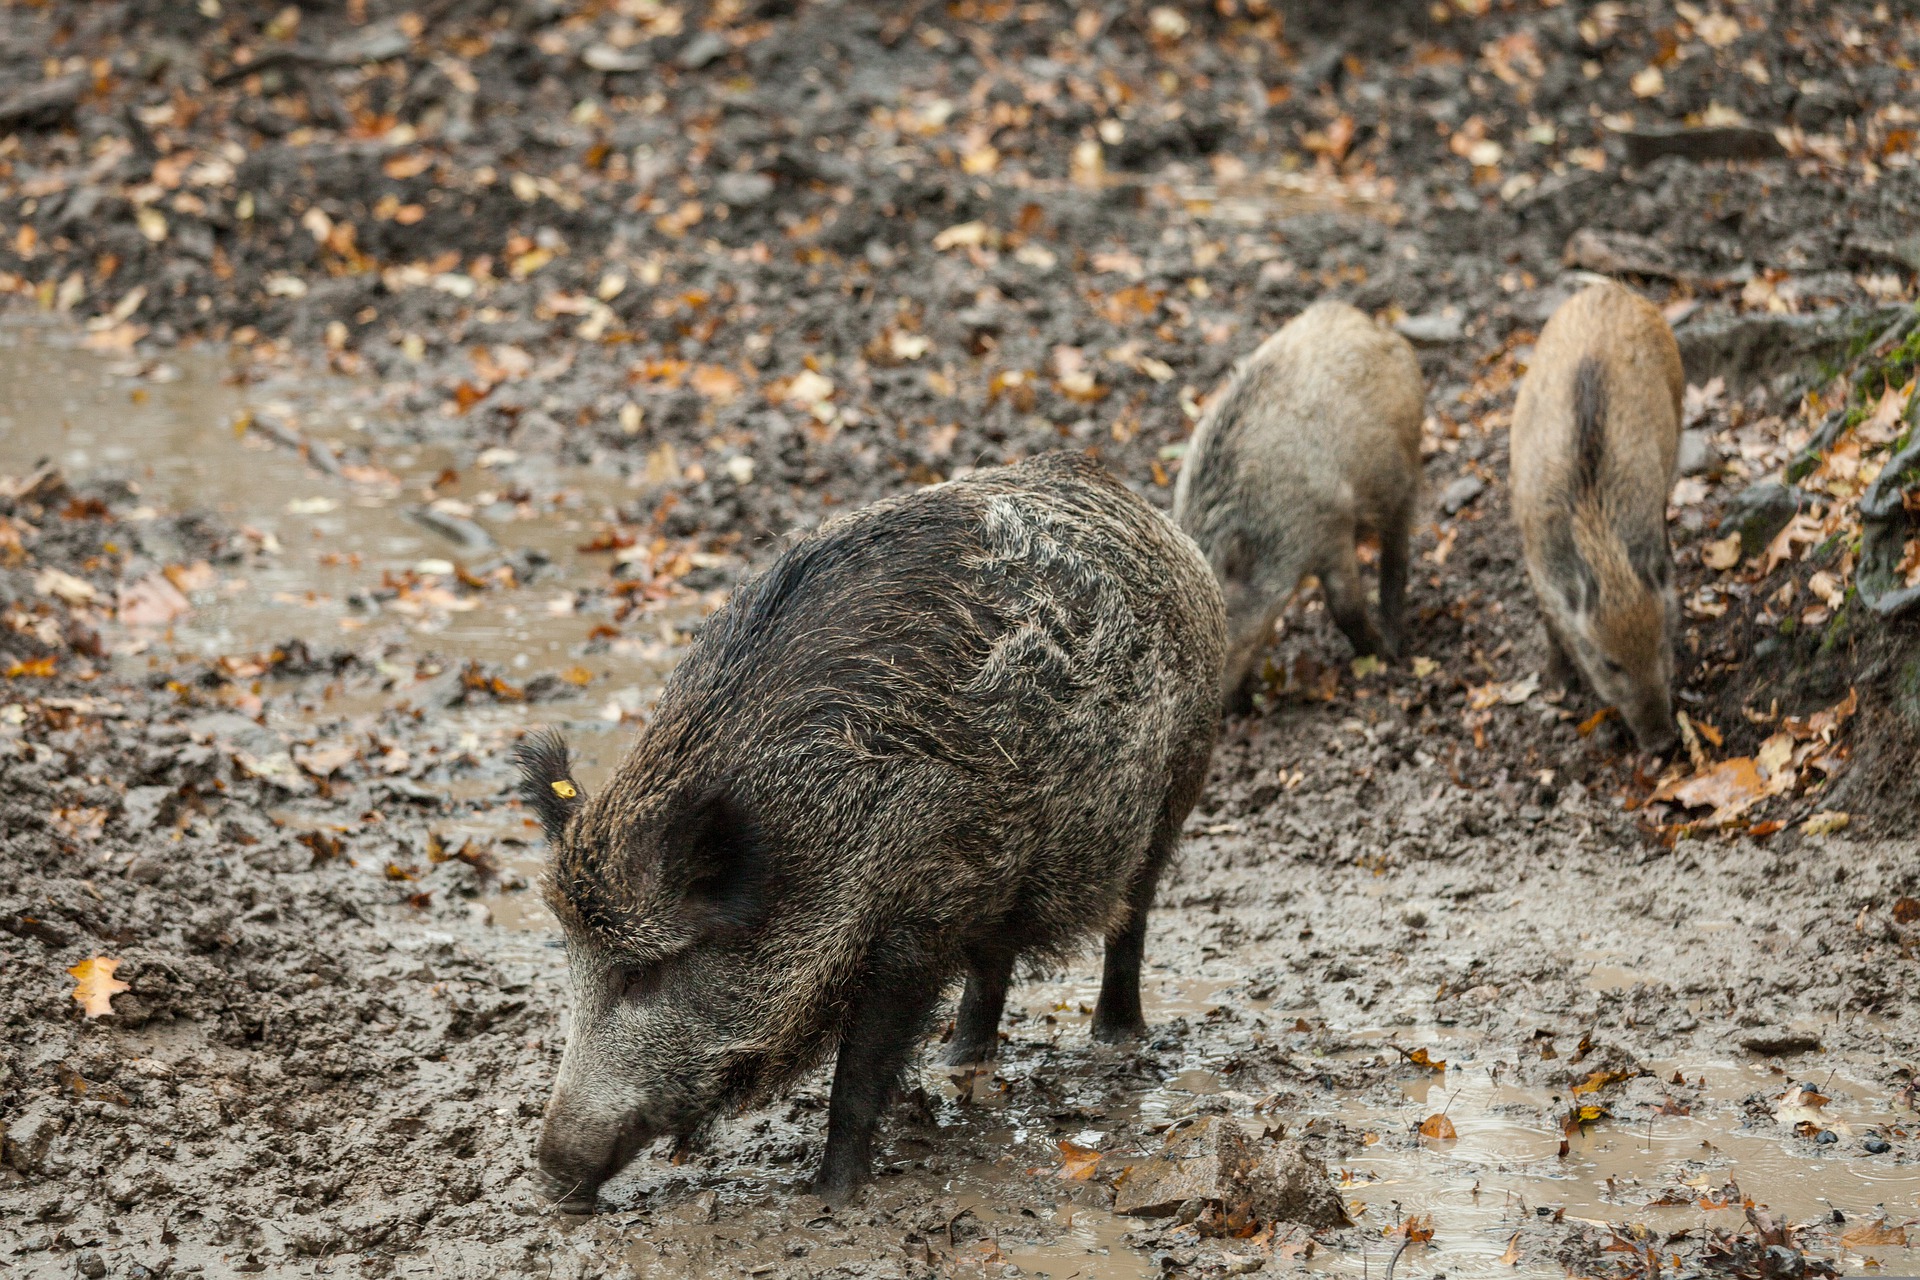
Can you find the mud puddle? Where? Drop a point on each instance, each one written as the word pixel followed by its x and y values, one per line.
pixel 345 556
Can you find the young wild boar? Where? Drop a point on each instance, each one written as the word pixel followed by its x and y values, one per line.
pixel 951 730
pixel 1315 439
pixel 1595 431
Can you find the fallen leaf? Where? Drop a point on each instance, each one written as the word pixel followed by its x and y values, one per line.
pixel 1730 788
pixel 96 986
pixel 1826 822
pixel 1594 721
pixel 1367 666
pixel 1421 1058
pixel 1511 1257
pixel 1077 1163
pixel 324 759
pixel 1906 910
pixel 151 602
pixel 1723 554
pixel 1600 1080
pixel 1437 1126
pixel 64 586
pixel 1881 1232
pixel 1424 667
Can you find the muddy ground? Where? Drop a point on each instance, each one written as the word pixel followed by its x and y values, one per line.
pixel 405 378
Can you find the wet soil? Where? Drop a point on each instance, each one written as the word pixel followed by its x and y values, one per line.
pixel 413 504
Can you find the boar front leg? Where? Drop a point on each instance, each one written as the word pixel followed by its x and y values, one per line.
pixel 976 1027
pixel 887 1022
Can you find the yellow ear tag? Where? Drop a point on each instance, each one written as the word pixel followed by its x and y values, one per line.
pixel 565 789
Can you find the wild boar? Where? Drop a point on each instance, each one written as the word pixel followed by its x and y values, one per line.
pixel 950 731
pixel 1314 440
pixel 1596 429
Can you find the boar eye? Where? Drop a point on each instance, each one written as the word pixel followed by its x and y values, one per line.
pixel 637 982
pixel 1613 668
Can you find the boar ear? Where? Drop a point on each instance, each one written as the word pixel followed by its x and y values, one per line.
pixel 546 782
pixel 720 859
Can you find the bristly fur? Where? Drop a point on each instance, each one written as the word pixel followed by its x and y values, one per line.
pixel 1596 429
pixel 956 727
pixel 542 759
pixel 1589 428
pixel 1314 440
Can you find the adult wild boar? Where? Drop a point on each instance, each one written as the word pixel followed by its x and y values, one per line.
pixel 1315 440
pixel 954 729
pixel 1596 429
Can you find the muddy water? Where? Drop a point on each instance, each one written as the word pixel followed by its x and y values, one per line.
pixel 324 540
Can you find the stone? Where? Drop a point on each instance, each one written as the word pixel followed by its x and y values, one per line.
pixel 1758 512
pixel 1218 1163
pixel 1461 492
pixel 743 190
pixel 1698 455
pixel 1619 253
pixel 1434 329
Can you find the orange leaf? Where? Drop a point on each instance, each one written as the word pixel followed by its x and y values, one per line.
pixel 1077 1163
pixel 96 986
pixel 1594 721
pixel 1730 788
pixel 1421 1058
pixel 39 668
pixel 1438 1126
pixel 1876 1233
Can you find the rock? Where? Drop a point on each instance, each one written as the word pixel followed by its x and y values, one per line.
pixel 1698 456
pixel 704 48
pixel 1463 490
pixel 1619 253
pixel 1712 142
pixel 29 1136
pixel 458 530
pixel 1903 252
pixel 1779 1042
pixel 743 190
pixel 1217 1162
pixel 1759 347
pixel 1435 329
pixel 44 105
pixel 604 57
pixel 1758 512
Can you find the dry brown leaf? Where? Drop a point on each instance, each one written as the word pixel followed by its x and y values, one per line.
pixel 1826 822
pixel 1511 1258
pixel 325 758
pixel 1730 787
pixel 151 602
pixel 1875 1233
pixel 1906 910
pixel 1077 1163
pixel 1439 1127
pixel 95 986
pixel 1421 1058
pixel 1722 554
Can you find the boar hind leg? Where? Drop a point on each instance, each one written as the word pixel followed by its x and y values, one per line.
pixel 1117 1016
pixel 886 1024
pixel 976 1027
pixel 1347 601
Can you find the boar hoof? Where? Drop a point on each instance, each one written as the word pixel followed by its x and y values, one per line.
pixel 1119 1032
pixel 836 1191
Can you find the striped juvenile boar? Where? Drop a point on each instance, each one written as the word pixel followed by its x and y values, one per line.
pixel 1314 440
pixel 952 730
pixel 1595 432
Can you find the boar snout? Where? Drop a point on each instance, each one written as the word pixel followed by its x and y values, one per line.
pixel 579 1153
pixel 1652 724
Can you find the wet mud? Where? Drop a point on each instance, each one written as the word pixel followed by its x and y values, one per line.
pixel 347 517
